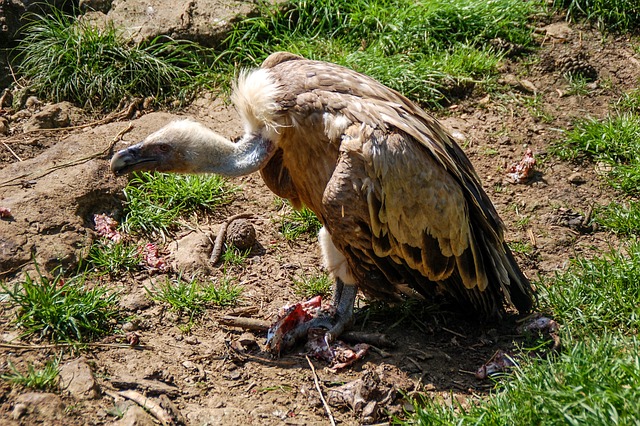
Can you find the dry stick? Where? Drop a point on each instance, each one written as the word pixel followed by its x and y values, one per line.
pixel 375 339
pixel 154 408
pixel 217 245
pixel 124 113
pixel 11 151
pixel 73 162
pixel 66 345
pixel 324 402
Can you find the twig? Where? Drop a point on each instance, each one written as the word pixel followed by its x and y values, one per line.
pixel 254 324
pixel 217 245
pixel 324 402
pixel 154 408
pixel 454 332
pixel 11 151
pixel 246 323
pixel 73 162
pixel 124 113
pixel 66 345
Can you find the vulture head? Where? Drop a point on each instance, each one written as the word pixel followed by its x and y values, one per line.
pixel 185 146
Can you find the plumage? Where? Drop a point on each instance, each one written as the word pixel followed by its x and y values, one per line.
pixel 403 210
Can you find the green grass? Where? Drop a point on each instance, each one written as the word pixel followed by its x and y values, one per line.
pixel 521 247
pixel 425 49
pixel 629 102
pixel 620 218
pixel 593 380
pixel 64 58
pixel 193 297
pixel 578 84
pixel 153 201
pixel 608 15
pixel 613 141
pixel 62 309
pixel 599 294
pixel 312 285
pixel 114 258
pixel 299 222
pixel 42 379
pixel 234 256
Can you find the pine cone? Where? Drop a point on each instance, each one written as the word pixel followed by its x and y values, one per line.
pixel 577 66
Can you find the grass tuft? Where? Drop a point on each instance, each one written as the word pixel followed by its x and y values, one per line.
pixel 44 379
pixel 299 222
pixel 153 201
pixel 234 256
pixel 613 141
pixel 608 15
pixel 423 49
pixel 114 258
pixel 62 309
pixel 620 218
pixel 592 383
pixel 66 58
pixel 192 297
pixel 313 285
pixel 596 295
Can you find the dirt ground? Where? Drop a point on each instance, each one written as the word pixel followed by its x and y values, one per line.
pixel 434 353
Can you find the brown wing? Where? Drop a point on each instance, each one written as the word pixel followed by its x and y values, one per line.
pixel 426 207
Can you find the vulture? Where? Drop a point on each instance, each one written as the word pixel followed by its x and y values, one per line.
pixel 403 211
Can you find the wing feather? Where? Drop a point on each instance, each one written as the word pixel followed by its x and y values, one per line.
pixel 423 203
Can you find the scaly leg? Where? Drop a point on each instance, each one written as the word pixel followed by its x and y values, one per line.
pixel 335 319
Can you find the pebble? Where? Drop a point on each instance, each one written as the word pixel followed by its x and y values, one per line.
pixel 577 178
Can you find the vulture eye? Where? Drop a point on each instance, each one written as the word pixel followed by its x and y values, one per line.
pixel 164 148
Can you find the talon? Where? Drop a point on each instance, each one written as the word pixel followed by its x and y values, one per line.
pixel 296 321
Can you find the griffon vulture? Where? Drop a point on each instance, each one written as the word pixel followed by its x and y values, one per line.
pixel 402 209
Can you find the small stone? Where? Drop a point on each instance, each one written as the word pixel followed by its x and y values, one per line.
pixel 4 126
pixel 19 410
pixel 129 327
pixel 135 302
pixel 47 405
pixel 577 178
pixel 191 340
pixel 135 416
pixel 241 234
pixel 32 103
pixel 77 378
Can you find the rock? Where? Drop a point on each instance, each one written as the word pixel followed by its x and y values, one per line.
pixel 95 5
pixel 52 117
pixel 191 253
pixel 32 103
pixel 204 21
pixel 241 234
pixel 577 178
pixel 19 410
pixel 53 209
pixel 559 31
pixel 77 379
pixel 45 405
pixel 135 416
pixel 521 85
pixel 4 126
pixel 136 301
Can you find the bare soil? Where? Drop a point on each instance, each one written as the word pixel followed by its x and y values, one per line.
pixel 435 352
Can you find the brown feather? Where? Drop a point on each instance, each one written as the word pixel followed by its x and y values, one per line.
pixel 400 199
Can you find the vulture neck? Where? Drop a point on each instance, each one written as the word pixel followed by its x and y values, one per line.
pixel 215 154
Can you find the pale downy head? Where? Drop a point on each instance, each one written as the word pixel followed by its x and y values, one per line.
pixel 182 146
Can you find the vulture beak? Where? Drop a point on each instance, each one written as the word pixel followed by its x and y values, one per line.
pixel 132 159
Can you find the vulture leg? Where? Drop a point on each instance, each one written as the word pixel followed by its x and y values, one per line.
pixel 334 319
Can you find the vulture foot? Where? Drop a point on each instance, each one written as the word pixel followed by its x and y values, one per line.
pixel 296 321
